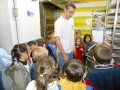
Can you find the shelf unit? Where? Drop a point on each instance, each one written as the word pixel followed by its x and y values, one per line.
pixel 112 24
pixel 96 12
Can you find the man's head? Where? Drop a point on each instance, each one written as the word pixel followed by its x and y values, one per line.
pixel 69 9
pixel 102 54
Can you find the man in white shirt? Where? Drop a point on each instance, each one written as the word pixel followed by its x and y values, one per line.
pixel 64 35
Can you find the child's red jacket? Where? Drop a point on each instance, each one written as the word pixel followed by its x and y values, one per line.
pixel 79 53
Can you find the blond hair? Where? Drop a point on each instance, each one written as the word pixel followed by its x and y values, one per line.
pixel 39 52
pixel 78 31
pixel 50 35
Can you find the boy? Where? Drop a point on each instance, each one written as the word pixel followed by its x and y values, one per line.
pixel 104 75
pixel 74 71
pixel 38 52
pixel 78 34
pixel 32 45
pixel 51 46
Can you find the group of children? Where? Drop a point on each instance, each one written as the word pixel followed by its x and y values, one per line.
pixel 33 67
pixel 82 46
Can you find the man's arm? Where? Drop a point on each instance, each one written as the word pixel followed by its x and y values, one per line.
pixel 61 49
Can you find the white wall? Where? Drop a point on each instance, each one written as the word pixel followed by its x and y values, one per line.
pixel 28 27
pixel 6 41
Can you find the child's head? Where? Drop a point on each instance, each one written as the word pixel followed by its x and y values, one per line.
pixel 19 52
pixel 41 42
pixel 39 52
pixel 102 54
pixel 74 70
pixel 43 71
pixel 87 38
pixel 28 48
pixel 78 34
pixel 77 41
pixel 51 38
pixel 32 45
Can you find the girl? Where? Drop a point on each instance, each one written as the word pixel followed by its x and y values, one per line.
pixel 79 49
pixel 19 70
pixel 87 43
pixel 43 71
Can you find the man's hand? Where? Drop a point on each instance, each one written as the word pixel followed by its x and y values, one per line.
pixel 66 59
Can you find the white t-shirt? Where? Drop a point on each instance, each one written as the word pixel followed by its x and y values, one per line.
pixel 65 30
pixel 51 86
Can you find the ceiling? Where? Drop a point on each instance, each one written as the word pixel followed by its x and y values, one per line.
pixel 81 1
pixel 60 3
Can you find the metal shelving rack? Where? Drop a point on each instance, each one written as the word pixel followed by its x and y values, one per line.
pixel 113 39
pixel 94 12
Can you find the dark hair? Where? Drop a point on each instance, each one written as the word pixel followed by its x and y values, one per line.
pixel 41 42
pixel 74 70
pixel 16 52
pixel 30 43
pixel 102 53
pixel 70 4
pixel 87 35
pixel 43 71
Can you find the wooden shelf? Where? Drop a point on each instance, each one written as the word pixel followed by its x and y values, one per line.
pixel 112 14
pixel 116 53
pixel 113 5
pixel 109 36
pixel 116 44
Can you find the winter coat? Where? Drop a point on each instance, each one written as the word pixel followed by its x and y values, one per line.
pixel 20 76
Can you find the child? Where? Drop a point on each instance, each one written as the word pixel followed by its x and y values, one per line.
pixel 74 71
pixel 79 49
pixel 51 46
pixel 37 53
pixel 29 52
pixel 43 71
pixel 78 34
pixel 32 45
pixel 41 42
pixel 87 43
pixel 104 75
pixel 19 70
